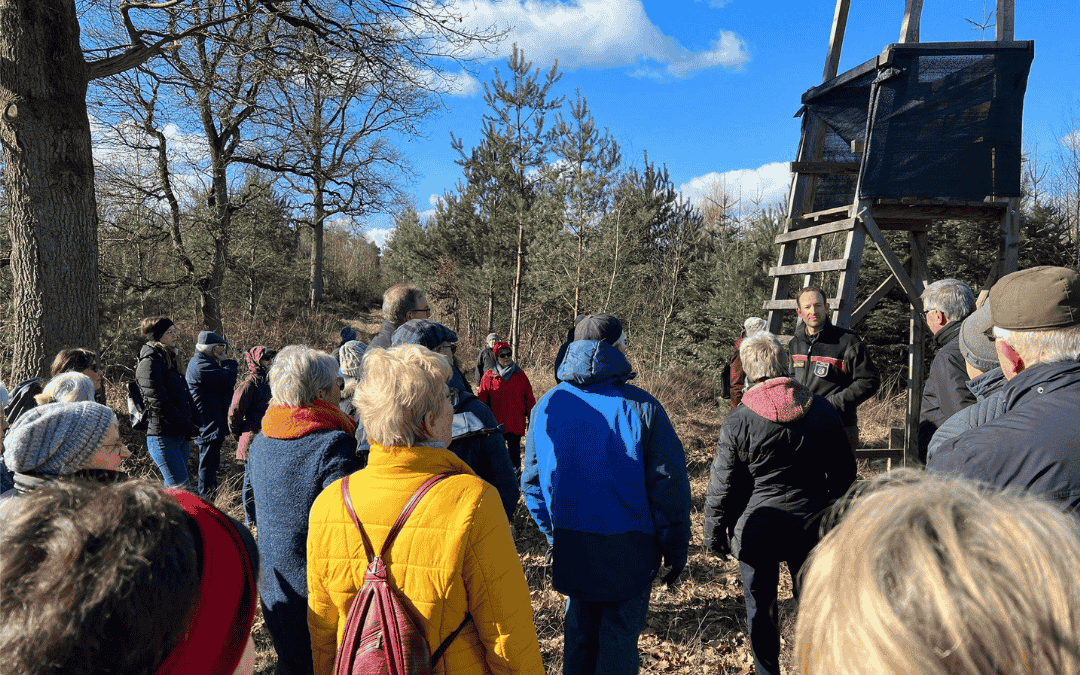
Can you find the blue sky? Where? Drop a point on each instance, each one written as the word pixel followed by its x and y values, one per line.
pixel 710 87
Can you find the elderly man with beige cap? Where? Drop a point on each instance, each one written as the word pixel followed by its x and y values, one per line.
pixel 1033 444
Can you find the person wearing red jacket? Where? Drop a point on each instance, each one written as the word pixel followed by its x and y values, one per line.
pixel 507 391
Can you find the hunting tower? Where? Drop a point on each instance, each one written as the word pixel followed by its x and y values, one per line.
pixel 922 131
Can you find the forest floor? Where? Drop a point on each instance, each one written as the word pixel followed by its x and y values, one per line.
pixel 696 626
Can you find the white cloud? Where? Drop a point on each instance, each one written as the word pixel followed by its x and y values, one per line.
pixel 767 185
pixel 379 235
pixel 462 84
pixel 599 34
pixel 434 199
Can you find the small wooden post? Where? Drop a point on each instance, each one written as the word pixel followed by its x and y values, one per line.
pixel 836 39
pixel 1004 21
pixel 917 337
pixel 909 27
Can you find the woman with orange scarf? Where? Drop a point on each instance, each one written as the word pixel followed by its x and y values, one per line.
pixel 306 443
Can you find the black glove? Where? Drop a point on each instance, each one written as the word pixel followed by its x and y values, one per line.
pixel 677 563
pixel 721 546
pixel 671 577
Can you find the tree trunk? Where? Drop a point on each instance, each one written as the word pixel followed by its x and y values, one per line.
pixel 49 177
pixel 515 313
pixel 491 304
pixel 317 250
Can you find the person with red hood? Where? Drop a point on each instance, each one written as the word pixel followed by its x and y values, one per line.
pixel 507 391
pixel 249 403
pixel 126 578
pixel 782 460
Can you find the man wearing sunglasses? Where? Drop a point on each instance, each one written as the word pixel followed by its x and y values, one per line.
pixel 400 303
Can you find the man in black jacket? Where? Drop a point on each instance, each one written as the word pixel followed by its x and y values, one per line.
pixel 1033 444
pixel 831 361
pixel 946 304
pixel 400 303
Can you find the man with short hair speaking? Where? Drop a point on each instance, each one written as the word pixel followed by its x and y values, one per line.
pixel 831 361
pixel 1034 444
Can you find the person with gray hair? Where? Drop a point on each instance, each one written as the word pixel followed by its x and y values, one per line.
pixel 735 373
pixel 782 459
pixel 485 360
pixel 306 444
pixel 946 303
pixel 67 388
pixel 401 303
pixel 1032 445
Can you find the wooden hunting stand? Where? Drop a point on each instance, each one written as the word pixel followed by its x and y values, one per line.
pixel 919 133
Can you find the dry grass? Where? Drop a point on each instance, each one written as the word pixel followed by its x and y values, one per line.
pixel 699 625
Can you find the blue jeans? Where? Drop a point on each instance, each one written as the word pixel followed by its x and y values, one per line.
pixel 209 461
pixel 601 638
pixel 170 453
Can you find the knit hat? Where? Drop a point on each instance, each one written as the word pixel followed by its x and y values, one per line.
pixel 422 332
pixel 753 325
pixel 492 338
pixel 57 438
pixel 208 337
pixel 348 334
pixel 976 347
pixel 351 359
pixel 1040 298
pixel 599 327
pixel 500 345
pixel 159 328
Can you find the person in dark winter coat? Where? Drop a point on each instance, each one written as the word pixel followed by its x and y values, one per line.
pixel 605 480
pixel 485 360
pixel 210 378
pixel 477 438
pixel 566 345
pixel 306 443
pixel 986 384
pixel 509 394
pixel 831 361
pixel 946 304
pixel 751 326
pixel 783 458
pixel 1032 445
pixel 400 303
pixel 249 404
pixel 171 415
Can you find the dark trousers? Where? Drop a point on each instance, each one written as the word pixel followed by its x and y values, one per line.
pixel 209 462
pixel 760 580
pixel 601 638
pixel 513 446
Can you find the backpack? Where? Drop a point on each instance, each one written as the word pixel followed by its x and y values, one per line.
pixel 140 421
pixel 381 635
pixel 22 398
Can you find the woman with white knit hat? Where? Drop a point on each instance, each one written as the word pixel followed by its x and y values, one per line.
pixel 58 440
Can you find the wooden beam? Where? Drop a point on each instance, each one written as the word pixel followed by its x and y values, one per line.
pixel 867 222
pixel 837 213
pixel 849 278
pixel 815 231
pixel 880 292
pixel 841 79
pixel 1010 225
pixel 824 167
pixel 836 39
pixel 937 212
pixel 809 268
pixel 791 304
pixel 1004 21
pixel 916 341
pixel 879 453
pixel 909 27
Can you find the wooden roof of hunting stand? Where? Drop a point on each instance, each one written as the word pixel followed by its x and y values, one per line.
pixel 922 131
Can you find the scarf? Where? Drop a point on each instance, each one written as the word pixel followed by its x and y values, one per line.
pixel 287 422
pixel 219 631
pixel 507 372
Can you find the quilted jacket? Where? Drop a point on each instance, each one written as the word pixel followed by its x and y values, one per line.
pixel 170 409
pixel 511 400
pixel 454 555
pixel 834 363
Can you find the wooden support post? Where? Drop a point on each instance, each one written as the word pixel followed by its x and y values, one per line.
pixel 867 221
pixel 1004 21
pixel 916 355
pixel 909 28
pixel 853 252
pixel 836 39
pixel 1010 232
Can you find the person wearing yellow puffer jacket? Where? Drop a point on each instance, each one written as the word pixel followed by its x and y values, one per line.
pixel 455 555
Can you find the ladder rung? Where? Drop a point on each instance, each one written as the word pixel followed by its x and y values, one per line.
pixel 791 304
pixel 838 213
pixel 816 231
pixel 824 167
pixel 809 268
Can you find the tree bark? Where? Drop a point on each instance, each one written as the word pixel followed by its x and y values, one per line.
pixel 49 177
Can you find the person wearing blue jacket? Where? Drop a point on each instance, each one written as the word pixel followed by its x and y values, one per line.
pixel 605 480
pixel 210 379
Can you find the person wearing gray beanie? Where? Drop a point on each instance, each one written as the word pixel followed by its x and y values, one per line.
pixel 62 439
pixel 351 362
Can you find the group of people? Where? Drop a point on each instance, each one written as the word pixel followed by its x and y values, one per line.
pixel 923 572
pixel 896 586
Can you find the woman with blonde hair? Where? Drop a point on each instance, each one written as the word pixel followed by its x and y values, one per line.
pixel 306 444
pixel 937 575
pixel 454 559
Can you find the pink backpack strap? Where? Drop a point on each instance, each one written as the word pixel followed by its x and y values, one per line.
pixel 402 517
